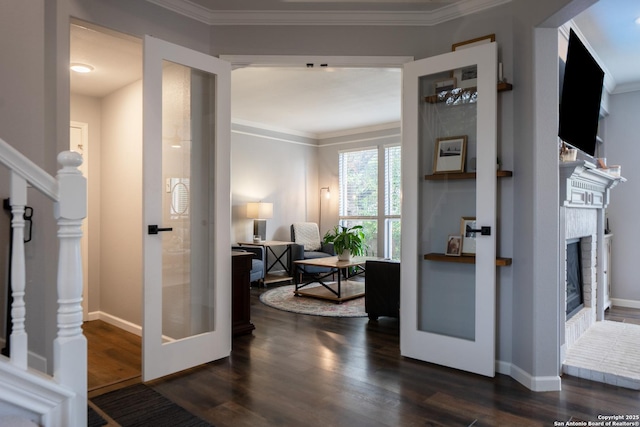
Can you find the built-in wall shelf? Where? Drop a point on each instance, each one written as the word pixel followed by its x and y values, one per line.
pixel 459 92
pixel 463 259
pixel 463 175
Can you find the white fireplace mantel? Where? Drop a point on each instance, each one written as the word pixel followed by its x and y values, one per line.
pixel 583 185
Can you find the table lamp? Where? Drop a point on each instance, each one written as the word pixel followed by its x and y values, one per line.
pixel 260 212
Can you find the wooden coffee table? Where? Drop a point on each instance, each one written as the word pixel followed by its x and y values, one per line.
pixel 341 290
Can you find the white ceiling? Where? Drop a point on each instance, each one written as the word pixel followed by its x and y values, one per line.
pixel 116 58
pixel 610 29
pixel 319 102
pixel 316 102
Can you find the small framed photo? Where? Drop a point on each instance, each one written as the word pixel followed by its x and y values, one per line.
pixel 450 154
pixel 468 76
pixel 445 85
pixel 454 245
pixel 468 223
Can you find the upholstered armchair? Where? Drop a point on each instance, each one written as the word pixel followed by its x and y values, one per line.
pixel 257 262
pixel 308 245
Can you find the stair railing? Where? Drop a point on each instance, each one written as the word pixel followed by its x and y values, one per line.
pixel 68 192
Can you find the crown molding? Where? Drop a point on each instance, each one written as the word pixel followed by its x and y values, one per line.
pixel 288 17
pixel 626 87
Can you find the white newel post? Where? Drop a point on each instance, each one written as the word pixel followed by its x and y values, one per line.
pixel 19 345
pixel 70 346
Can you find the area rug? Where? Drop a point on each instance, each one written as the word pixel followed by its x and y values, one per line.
pixel 139 405
pixel 283 298
pixel 94 419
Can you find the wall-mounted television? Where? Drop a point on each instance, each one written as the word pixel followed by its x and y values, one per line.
pixel 581 92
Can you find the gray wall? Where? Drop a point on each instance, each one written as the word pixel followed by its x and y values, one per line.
pixel 22 124
pixel 272 167
pixel 115 201
pixel 121 200
pixel 622 148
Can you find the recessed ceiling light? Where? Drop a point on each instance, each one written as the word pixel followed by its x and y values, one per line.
pixel 81 68
pixel 638 20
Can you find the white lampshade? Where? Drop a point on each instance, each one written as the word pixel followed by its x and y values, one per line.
pixel 259 210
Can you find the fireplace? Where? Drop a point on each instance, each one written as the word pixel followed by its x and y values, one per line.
pixel 584 195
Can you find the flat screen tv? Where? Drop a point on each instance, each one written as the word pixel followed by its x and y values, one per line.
pixel 580 97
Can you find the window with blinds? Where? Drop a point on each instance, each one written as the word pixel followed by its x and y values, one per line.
pixel 359 183
pixel 362 192
pixel 392 200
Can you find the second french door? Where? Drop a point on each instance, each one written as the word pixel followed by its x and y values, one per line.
pixel 449 209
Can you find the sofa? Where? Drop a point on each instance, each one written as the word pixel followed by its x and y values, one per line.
pixel 382 288
pixel 308 245
pixel 257 262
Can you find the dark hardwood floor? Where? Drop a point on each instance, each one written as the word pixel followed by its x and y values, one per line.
pixel 315 371
pixel 623 314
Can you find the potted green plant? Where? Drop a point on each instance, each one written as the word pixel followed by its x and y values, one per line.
pixel 347 241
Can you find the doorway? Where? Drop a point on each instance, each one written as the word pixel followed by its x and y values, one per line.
pixel 294 127
pixel 107 119
pixel 191 90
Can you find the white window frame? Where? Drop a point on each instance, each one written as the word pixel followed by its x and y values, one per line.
pixel 384 220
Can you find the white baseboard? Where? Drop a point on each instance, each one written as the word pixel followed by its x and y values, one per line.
pixel 116 321
pixel 503 367
pixel 94 315
pixel 628 303
pixel 550 383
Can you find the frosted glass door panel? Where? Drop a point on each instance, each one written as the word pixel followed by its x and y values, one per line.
pixel 448 129
pixel 188 128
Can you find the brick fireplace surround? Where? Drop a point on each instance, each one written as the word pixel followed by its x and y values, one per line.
pixel 584 196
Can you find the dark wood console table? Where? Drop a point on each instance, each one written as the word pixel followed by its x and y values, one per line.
pixel 241 293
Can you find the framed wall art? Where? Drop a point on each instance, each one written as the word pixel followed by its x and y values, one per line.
pixel 450 154
pixel 468 76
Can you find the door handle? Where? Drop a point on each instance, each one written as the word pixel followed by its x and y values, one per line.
pixel 485 231
pixel 154 229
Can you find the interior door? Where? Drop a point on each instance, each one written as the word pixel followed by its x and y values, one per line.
pixel 449 182
pixel 187 261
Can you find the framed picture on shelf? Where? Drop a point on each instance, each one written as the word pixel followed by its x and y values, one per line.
pixel 454 245
pixel 450 154
pixel 468 237
pixel 468 76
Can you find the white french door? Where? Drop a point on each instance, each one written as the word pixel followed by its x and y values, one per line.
pixel 187 262
pixel 449 181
